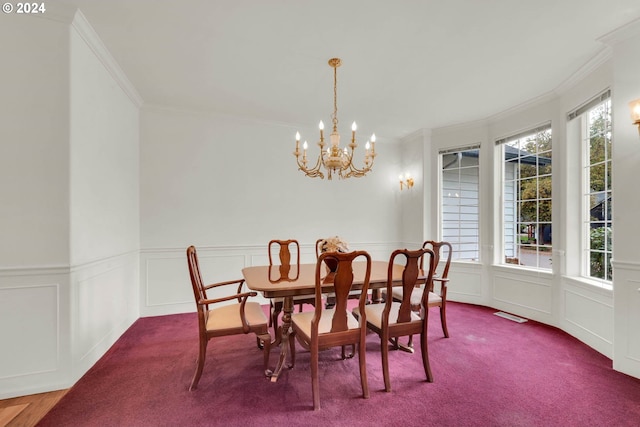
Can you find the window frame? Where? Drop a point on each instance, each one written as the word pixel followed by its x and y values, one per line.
pixel 586 224
pixel 517 202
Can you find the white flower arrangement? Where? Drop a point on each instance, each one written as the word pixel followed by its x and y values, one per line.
pixel 334 244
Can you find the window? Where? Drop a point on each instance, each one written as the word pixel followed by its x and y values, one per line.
pixel 527 198
pixel 459 204
pixel 598 222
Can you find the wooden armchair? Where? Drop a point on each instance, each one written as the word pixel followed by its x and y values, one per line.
pixel 394 319
pixel 326 328
pixel 284 268
pixel 241 317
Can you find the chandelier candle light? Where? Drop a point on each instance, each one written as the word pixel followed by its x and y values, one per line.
pixel 335 159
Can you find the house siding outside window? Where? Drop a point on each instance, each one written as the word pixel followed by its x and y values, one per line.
pixel 459 201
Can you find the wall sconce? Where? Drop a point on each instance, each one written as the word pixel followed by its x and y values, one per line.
pixel 635 112
pixel 405 181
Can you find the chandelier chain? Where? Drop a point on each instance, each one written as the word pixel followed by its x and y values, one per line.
pixel 334 118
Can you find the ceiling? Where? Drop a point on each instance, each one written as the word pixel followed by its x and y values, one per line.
pixel 406 64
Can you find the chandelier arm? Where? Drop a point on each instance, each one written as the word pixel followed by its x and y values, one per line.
pixel 358 172
pixel 313 172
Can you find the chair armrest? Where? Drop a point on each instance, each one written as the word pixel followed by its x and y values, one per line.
pixel 243 295
pixel 230 282
pixel 240 282
pixel 242 298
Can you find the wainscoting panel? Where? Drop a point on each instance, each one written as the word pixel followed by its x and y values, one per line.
pixel 465 283
pixel 524 293
pixel 589 317
pixel 165 283
pixel 106 303
pixel 30 329
pixel 34 320
pixel 626 290
pixel 633 319
pixel 167 280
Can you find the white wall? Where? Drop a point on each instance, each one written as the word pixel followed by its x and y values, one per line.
pixel 626 234
pixel 34 212
pixel 414 203
pixel 229 185
pixel 69 272
pixel 34 156
pixel 104 203
pixel 104 167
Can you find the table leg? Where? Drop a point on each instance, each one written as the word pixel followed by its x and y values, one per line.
pixel 283 337
pixel 376 296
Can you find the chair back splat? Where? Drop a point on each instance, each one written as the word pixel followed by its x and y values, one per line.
pixel 284 274
pixel 284 253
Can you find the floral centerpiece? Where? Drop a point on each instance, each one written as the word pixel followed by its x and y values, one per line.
pixel 333 244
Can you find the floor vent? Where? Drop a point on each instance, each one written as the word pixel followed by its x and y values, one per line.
pixel 510 317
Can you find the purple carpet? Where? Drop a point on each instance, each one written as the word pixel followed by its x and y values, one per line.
pixel 491 372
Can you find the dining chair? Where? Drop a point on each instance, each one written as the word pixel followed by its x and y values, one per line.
pixel 326 328
pixel 437 297
pixel 330 299
pixel 395 319
pixel 241 317
pixel 284 256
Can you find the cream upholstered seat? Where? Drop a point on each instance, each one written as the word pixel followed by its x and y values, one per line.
pixel 374 314
pixel 228 319
pixel 240 317
pixel 324 326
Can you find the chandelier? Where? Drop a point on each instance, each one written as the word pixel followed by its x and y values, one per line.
pixel 335 160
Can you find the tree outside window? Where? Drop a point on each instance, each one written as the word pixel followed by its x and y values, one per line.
pixel 527 199
pixel 598 224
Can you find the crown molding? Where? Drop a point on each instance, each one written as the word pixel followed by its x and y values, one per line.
pixel 596 61
pixel 58 12
pixel 630 29
pixel 422 134
pixel 89 35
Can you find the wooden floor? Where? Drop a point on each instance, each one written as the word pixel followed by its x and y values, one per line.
pixel 26 411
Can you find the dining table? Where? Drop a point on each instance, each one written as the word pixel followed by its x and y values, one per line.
pixel 287 282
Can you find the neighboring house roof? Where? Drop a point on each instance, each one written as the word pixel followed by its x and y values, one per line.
pixel 598 210
pixel 512 153
pixel 525 157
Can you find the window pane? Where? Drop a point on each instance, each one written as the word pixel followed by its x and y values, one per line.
pixel 529 189
pixel 597 177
